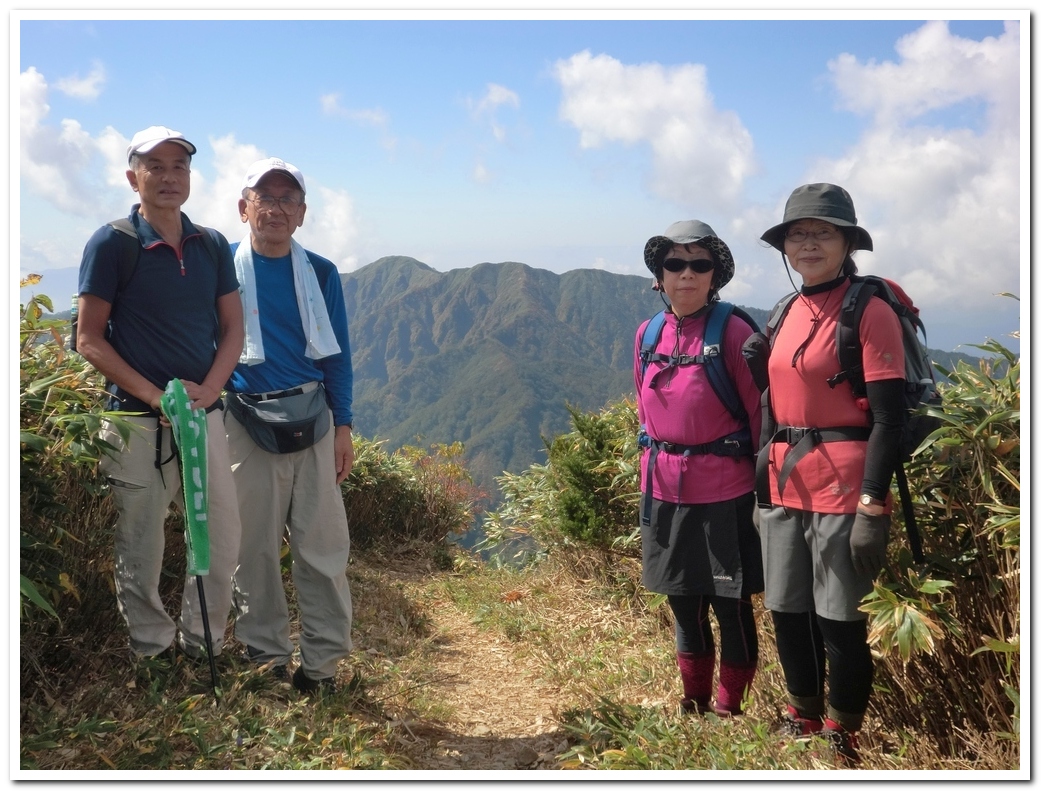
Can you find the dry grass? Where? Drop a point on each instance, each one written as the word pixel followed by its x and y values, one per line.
pixel 465 668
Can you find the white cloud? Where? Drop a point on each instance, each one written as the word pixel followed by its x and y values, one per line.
pixel 936 71
pixel 696 147
pixel 59 162
pixel 481 174
pixel 604 265
pixel 375 117
pixel 332 230
pixel 86 88
pixel 942 204
pixel 495 96
pixel 372 117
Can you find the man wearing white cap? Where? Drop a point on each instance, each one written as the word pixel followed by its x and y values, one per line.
pixel 158 300
pixel 289 433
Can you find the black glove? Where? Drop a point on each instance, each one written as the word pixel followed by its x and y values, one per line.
pixel 867 543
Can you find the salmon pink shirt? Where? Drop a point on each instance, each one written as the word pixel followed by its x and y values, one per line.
pixel 828 479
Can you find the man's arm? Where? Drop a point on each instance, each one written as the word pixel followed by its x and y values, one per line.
pixel 229 349
pixel 339 374
pixel 94 347
pixel 343 448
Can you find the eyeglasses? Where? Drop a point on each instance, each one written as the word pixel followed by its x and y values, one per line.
pixel 821 235
pixel 285 203
pixel 699 265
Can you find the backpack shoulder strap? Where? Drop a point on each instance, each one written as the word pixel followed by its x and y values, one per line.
pixel 777 314
pixel 129 254
pixel 209 241
pixel 649 340
pixel 715 362
pixel 847 334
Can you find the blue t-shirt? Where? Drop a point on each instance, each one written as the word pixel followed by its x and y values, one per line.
pixel 285 365
pixel 164 323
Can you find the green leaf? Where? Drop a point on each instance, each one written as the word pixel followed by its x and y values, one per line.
pixel 34 441
pixel 934 586
pixel 29 591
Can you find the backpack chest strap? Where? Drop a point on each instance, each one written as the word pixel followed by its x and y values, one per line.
pixel 800 442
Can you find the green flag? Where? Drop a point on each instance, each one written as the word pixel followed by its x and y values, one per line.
pixel 189 431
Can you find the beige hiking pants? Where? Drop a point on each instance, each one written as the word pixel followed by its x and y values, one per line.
pixel 142 498
pixel 297 491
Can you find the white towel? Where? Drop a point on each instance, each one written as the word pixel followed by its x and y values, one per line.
pixel 314 316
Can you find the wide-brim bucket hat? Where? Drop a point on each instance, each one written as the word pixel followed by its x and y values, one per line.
pixel 690 232
pixel 826 202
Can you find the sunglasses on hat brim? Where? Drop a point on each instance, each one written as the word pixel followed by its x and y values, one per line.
pixel 699 265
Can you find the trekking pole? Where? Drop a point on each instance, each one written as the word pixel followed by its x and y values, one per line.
pixel 189 431
pixel 208 636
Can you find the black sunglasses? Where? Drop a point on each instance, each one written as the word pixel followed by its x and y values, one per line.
pixel 699 265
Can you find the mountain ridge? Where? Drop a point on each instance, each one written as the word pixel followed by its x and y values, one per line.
pixel 489 355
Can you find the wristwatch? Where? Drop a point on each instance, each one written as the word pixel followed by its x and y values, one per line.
pixel 871 506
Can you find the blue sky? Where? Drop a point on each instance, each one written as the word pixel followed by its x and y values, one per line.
pixel 561 144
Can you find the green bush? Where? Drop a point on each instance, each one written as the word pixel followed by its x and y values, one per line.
pixel 408 495
pixel 60 415
pixel 948 632
pixel 587 493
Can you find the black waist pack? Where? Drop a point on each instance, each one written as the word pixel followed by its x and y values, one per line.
pixel 285 424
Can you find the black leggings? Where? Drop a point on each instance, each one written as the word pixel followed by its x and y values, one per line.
pixel 739 643
pixel 804 639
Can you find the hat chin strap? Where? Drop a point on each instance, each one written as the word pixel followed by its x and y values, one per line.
pixel 788 271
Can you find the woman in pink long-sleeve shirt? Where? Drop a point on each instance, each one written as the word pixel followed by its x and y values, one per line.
pixel 700 545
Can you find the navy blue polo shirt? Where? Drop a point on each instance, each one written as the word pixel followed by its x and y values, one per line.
pixel 164 323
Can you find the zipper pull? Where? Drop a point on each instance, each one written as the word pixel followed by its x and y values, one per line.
pixel 182 266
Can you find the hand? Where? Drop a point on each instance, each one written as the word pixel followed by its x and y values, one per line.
pixel 343 448
pixel 200 396
pixel 156 403
pixel 867 543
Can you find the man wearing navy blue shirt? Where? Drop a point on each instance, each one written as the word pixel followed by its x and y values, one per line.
pixel 163 305
pixel 296 342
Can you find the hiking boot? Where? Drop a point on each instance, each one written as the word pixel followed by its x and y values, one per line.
pixel 309 686
pixel 802 728
pixel 692 706
pixel 723 711
pixel 843 744
pixel 279 672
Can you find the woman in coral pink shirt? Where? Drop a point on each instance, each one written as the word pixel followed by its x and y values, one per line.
pixel 824 538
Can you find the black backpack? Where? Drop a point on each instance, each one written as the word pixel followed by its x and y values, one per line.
pixel 920 389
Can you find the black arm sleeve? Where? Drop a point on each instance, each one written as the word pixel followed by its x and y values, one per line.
pixel 886 399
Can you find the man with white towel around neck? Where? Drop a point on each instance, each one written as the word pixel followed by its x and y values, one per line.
pixel 289 433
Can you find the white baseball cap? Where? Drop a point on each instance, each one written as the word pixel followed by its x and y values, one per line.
pixel 262 167
pixel 147 139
